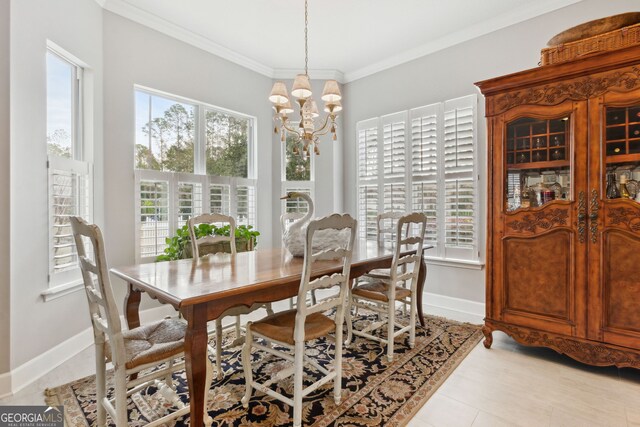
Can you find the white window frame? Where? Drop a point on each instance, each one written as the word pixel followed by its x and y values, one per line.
pixel 199 176
pixel 80 165
pixel 287 186
pixel 441 253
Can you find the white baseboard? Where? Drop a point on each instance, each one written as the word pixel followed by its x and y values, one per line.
pixel 27 373
pixel 466 309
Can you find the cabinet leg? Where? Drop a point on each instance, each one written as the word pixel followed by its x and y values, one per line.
pixel 488 336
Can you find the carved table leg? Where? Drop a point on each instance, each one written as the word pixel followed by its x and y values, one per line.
pixel 488 336
pixel 195 355
pixel 131 307
pixel 422 277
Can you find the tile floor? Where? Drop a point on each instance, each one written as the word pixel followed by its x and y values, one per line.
pixel 509 385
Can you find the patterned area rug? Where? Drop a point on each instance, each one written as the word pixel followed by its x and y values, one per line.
pixel 375 392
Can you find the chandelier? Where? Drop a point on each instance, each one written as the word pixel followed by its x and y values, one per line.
pixel 310 127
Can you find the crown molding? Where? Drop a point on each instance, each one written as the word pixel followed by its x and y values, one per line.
pixel 321 74
pixel 499 22
pixel 150 20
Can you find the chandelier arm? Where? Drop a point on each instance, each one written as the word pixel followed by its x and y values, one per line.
pixel 322 130
pixel 284 125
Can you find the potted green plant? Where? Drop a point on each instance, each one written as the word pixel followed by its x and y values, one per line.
pixel 179 245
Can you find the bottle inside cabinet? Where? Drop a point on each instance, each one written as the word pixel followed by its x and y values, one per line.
pixel 623 181
pixel 621 149
pixel 533 188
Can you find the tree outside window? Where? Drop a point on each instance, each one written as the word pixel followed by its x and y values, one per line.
pixel 227 144
pixel 297 168
pixel 165 134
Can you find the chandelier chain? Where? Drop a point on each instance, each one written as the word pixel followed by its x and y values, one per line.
pixel 306 42
pixel 310 128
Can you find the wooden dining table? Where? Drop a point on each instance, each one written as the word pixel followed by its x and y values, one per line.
pixel 204 288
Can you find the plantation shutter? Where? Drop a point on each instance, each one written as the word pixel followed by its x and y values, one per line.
pixel 70 183
pixel 368 151
pixel 189 203
pixel 394 197
pixel 219 199
pixel 368 211
pixel 460 191
pixel 425 133
pixel 245 205
pixel 368 178
pixel 153 208
pixel 394 146
pixel 423 160
pixel 297 205
pixel 394 162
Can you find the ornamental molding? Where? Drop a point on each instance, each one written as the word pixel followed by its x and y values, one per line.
pixel 592 353
pixel 544 220
pixel 625 216
pixel 577 90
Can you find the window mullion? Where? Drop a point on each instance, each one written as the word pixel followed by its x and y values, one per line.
pixel 199 141
pixel 380 176
pixel 408 182
pixel 78 138
pixel 440 210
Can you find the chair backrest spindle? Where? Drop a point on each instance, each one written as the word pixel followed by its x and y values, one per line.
pixel 105 318
pixel 410 231
pixel 213 218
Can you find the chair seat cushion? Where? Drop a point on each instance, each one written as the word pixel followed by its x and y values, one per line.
pixel 280 326
pixel 379 291
pixel 152 342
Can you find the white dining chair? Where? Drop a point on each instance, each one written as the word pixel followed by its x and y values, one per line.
pixel 286 219
pixel 292 329
pixel 142 356
pixel 381 294
pixel 196 247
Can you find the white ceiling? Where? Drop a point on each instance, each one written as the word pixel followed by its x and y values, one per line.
pixel 347 38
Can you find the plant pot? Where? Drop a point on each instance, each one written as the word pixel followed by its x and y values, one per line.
pixel 242 245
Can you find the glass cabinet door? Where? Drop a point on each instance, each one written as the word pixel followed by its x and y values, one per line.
pixel 538 163
pixel 622 152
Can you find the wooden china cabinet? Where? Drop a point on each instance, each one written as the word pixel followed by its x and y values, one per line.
pixel 563 260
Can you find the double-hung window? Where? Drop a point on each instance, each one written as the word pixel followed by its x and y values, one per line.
pixel 297 176
pixel 190 158
pixel 423 160
pixel 69 172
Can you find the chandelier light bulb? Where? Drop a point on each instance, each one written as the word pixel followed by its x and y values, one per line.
pixel 333 107
pixel 286 108
pixel 314 109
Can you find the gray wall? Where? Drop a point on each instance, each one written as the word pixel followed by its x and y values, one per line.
pixel 135 54
pixel 4 189
pixel 448 74
pixel 75 25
